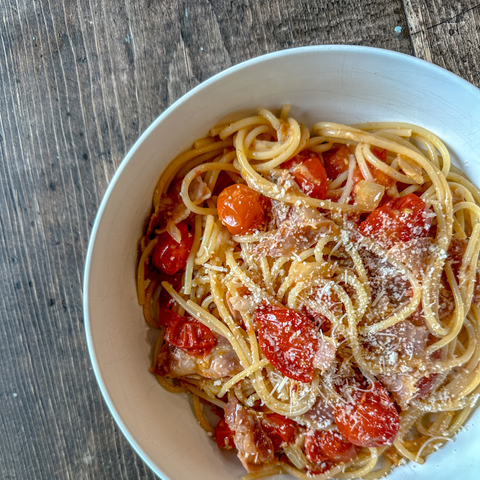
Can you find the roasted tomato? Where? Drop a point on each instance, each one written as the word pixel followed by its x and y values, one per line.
pixel 336 447
pixel 280 429
pixel 336 161
pixel 399 220
pixel 370 420
pixel 240 209
pixel 323 445
pixel 189 335
pixel 169 255
pixel 289 341
pixel 224 435
pixel 309 173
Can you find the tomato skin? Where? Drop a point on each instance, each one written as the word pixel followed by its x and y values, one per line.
pixel 169 255
pixel 289 341
pixel 371 420
pixel 380 153
pixel 279 429
pixel 310 174
pixel 336 161
pixel 336 447
pixel 328 445
pixel 224 435
pixel 398 220
pixel 313 449
pixel 240 209
pixel 189 335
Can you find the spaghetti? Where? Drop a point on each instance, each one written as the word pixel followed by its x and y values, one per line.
pixel 319 289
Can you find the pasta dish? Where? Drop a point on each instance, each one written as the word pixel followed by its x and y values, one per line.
pixel 317 293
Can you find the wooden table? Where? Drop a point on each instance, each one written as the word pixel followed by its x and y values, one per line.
pixel 79 82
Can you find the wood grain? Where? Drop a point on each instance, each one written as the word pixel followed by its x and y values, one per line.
pixel 448 34
pixel 79 82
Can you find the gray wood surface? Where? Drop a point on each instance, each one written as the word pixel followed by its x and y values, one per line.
pixel 79 82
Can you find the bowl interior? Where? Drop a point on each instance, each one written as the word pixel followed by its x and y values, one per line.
pixel 340 84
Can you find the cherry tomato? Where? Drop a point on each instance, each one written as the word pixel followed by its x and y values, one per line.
pixel 425 385
pixel 309 173
pixel 240 209
pixel 370 420
pixel 289 341
pixel 380 153
pixel 224 435
pixel 323 445
pixel 336 447
pixel 313 449
pixel 189 335
pixel 280 429
pixel 336 161
pixel 321 468
pixel 398 220
pixel 169 255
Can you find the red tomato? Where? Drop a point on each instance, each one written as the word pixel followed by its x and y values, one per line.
pixel 336 161
pixel 371 420
pixel 309 173
pixel 279 429
pixel 224 435
pixel 189 335
pixel 289 341
pixel 425 385
pixel 399 220
pixel 321 468
pixel 336 447
pixel 169 255
pixel 240 209
pixel 380 153
pixel 323 445
pixel 313 449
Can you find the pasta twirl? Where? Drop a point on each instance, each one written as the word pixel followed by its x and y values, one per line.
pixel 319 290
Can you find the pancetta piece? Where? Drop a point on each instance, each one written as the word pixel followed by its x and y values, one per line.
pixel 171 209
pixel 221 362
pixel 254 446
pixel 301 229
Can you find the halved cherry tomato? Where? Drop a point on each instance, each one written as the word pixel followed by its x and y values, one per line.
pixel 399 220
pixel 313 449
pixel 289 341
pixel 321 468
pixel 169 255
pixel 336 447
pixel 189 335
pixel 224 435
pixel 240 209
pixel 280 429
pixel 309 173
pixel 323 445
pixel 371 420
pixel 425 385
pixel 336 161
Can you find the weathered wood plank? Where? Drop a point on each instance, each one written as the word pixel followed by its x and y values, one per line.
pixel 79 82
pixel 448 34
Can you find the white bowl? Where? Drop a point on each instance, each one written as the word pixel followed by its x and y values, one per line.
pixel 337 83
